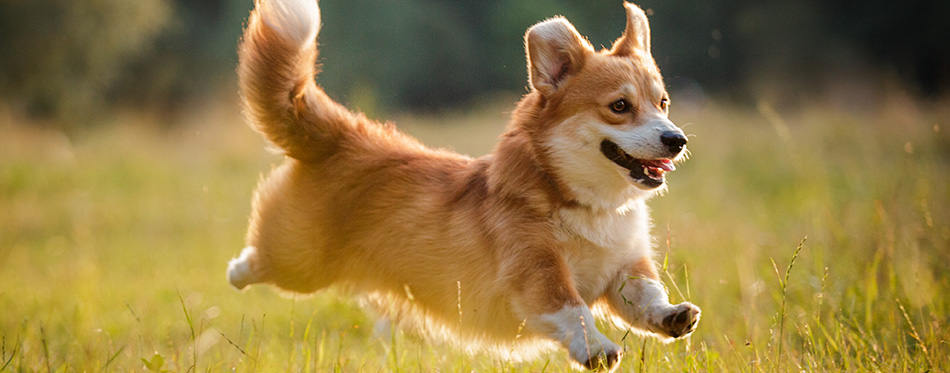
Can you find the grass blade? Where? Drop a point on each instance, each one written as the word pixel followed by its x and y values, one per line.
pixel 781 328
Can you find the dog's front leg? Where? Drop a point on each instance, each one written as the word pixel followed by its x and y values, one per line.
pixel 641 300
pixel 550 305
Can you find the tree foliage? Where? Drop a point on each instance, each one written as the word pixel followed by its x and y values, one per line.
pixel 58 57
pixel 61 56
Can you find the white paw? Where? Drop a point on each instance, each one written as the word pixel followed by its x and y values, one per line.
pixel 240 273
pixel 596 352
pixel 678 321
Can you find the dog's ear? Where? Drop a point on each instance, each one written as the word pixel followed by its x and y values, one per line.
pixel 555 51
pixel 636 36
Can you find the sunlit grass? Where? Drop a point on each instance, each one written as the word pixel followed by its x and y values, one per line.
pixel 114 241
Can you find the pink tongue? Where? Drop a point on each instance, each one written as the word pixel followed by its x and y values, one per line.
pixel 663 164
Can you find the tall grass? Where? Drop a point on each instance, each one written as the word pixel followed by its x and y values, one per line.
pixel 114 241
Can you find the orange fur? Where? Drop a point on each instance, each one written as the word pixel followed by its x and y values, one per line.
pixel 518 236
pixel 645 268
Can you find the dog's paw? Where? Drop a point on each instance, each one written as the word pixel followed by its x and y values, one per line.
pixel 680 320
pixel 597 353
pixel 606 360
pixel 241 269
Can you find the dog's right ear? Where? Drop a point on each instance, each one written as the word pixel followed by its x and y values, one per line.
pixel 555 51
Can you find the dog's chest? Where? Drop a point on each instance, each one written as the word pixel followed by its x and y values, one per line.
pixel 597 247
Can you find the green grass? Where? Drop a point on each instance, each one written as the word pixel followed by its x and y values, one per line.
pixel 114 241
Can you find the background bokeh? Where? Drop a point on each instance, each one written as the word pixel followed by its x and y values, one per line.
pixel 68 60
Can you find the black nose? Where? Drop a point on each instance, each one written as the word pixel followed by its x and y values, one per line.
pixel 674 141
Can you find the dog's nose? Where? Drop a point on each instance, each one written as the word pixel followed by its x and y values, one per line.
pixel 674 141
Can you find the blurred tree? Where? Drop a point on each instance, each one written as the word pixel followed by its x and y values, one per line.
pixel 431 53
pixel 416 54
pixel 427 54
pixel 58 57
pixel 910 37
pixel 62 57
pixel 192 58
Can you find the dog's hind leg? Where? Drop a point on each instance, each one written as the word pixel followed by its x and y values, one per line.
pixel 241 270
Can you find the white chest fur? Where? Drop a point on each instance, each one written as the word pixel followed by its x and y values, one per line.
pixel 597 244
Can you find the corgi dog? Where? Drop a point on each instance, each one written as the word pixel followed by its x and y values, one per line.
pixel 513 251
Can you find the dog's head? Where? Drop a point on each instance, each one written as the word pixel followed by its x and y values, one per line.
pixel 601 117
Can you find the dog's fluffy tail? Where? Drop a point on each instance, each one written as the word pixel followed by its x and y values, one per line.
pixel 276 75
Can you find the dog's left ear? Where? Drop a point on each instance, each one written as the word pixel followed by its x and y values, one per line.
pixel 636 36
pixel 555 52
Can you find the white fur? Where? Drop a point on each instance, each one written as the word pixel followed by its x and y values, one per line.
pixel 646 305
pixel 651 299
pixel 582 339
pixel 240 274
pixel 626 227
pixel 597 244
pixel 296 20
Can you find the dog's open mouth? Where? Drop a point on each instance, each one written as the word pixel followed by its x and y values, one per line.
pixel 648 172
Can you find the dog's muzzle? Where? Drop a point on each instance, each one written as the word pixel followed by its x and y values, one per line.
pixel 648 172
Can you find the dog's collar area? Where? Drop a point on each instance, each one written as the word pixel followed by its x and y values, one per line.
pixel 648 172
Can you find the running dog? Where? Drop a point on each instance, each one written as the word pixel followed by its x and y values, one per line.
pixel 507 252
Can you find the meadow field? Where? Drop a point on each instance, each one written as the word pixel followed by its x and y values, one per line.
pixel 814 239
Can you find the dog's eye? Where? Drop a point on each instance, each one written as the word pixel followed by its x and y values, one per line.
pixel 620 106
pixel 664 104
